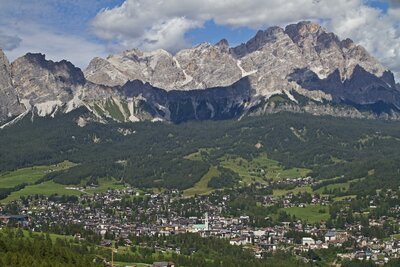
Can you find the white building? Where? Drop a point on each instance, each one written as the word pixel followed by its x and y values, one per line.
pixel 307 241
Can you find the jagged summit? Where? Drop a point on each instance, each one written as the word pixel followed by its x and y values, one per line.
pixel 10 106
pixel 300 61
pixel 223 42
pixel 258 41
pixel 304 30
pixel 64 69
pixel 305 44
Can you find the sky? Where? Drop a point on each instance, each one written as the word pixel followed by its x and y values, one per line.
pixel 79 30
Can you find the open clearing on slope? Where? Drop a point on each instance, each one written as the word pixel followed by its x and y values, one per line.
pixel 260 168
pixel 105 184
pixel 342 198
pixel 296 190
pixel 310 213
pixel 199 155
pixel 47 188
pixel 31 174
pixel 201 187
pixel 332 187
pixel 53 237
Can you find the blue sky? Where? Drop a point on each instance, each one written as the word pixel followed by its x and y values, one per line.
pixel 78 30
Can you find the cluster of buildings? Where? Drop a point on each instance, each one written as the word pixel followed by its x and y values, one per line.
pixel 124 214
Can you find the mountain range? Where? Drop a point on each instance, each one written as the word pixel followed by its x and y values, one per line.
pixel 301 68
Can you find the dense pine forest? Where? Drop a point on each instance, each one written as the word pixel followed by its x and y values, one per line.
pixel 18 248
pixel 150 154
pixel 22 248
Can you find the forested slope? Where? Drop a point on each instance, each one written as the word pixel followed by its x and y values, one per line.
pixel 155 154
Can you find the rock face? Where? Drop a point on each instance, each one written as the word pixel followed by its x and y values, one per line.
pixel 179 106
pixel 45 84
pixel 301 68
pixel 203 66
pixel 157 67
pixel 361 88
pixel 270 57
pixel 324 52
pixel 9 104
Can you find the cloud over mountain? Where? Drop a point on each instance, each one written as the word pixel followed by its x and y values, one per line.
pixel 104 27
pixel 164 24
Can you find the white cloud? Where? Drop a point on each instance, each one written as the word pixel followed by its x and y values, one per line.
pixel 379 33
pixel 57 46
pixel 163 23
pixel 9 42
pixel 30 26
pixel 394 9
pixel 168 35
pixel 394 3
pixel 135 19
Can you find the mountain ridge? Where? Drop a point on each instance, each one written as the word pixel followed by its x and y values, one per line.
pixel 311 68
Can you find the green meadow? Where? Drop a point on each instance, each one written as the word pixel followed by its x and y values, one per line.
pixel 260 168
pixel 201 187
pixel 47 188
pixel 311 213
pixel 31 174
pixel 296 190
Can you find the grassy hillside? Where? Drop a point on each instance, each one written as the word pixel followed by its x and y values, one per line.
pixel 201 187
pixel 46 188
pixel 311 213
pixel 30 175
pixel 260 168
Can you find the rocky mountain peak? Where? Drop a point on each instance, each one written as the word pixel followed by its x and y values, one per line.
pixel 302 59
pixel 139 55
pixel 261 38
pixel 5 78
pixel 224 45
pixel 347 43
pixel 135 52
pixel 44 84
pixel 270 57
pixel 223 42
pixel 306 33
pixel 9 102
pixel 304 29
pixel 63 70
pixel 36 58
